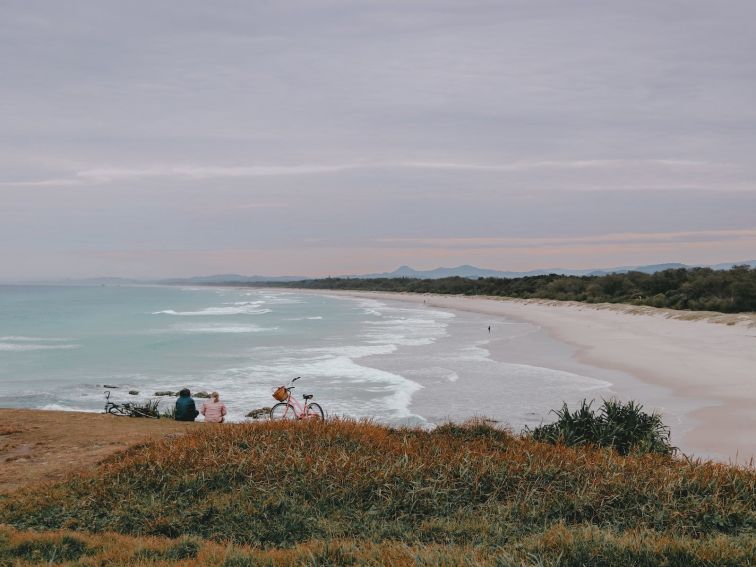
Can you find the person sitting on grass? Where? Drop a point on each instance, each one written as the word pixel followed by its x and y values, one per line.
pixel 214 410
pixel 185 408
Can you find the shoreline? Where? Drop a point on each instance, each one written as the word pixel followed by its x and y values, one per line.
pixel 660 349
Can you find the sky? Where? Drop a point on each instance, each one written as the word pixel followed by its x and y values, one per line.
pixel 324 137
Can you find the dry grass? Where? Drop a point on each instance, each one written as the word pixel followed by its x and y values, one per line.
pixel 458 495
pixel 557 546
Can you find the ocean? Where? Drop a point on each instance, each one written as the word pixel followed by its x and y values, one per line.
pixel 393 362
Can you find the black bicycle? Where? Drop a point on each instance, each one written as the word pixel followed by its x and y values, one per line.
pixel 128 409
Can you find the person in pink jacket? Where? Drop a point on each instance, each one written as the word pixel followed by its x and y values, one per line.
pixel 214 410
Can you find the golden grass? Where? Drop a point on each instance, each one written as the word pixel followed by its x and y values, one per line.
pixel 468 494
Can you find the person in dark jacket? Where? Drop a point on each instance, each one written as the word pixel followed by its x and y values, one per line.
pixel 185 408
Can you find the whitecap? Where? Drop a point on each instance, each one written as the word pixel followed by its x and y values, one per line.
pixel 15 347
pixel 246 309
pixel 31 339
pixel 224 329
pixel 59 407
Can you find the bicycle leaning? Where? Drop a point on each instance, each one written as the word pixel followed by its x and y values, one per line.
pixel 128 409
pixel 289 408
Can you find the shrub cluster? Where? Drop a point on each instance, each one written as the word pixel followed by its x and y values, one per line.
pixel 148 408
pixel 623 427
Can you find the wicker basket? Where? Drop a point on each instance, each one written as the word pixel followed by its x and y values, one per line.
pixel 281 394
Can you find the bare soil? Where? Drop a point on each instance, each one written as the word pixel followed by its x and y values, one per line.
pixel 40 445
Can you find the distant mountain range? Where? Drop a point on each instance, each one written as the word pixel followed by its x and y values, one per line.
pixel 465 271
pixel 468 271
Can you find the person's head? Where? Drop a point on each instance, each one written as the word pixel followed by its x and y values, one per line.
pixel 185 393
pixel 215 396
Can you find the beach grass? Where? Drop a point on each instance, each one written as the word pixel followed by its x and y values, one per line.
pixel 624 427
pixel 346 492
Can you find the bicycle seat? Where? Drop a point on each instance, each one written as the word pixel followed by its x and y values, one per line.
pixel 307 396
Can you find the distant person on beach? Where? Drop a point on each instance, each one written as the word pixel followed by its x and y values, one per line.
pixel 214 410
pixel 185 408
pixel 489 328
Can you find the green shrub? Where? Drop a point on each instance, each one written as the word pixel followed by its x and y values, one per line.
pixel 623 427
pixel 148 408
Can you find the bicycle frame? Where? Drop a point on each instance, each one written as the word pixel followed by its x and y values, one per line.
pixel 300 410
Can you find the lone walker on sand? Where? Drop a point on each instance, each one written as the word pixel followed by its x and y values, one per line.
pixel 214 410
pixel 185 408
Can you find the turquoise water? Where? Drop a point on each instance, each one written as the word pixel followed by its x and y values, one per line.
pixel 397 363
pixel 59 345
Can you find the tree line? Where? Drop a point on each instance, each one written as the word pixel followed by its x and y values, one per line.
pixel 726 291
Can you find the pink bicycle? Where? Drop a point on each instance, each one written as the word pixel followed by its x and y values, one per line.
pixel 290 408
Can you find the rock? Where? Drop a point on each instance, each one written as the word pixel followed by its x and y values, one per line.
pixel 164 393
pixel 259 413
pixel 201 395
pixel 109 386
pixel 134 392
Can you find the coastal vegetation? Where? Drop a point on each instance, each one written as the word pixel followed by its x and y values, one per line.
pixel 625 428
pixel 342 492
pixel 726 291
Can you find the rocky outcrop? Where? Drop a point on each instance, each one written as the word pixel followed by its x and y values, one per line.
pixel 134 392
pixel 202 395
pixel 259 413
pixel 164 393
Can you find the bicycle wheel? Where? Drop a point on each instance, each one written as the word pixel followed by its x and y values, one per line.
pixel 283 411
pixel 314 411
pixel 115 410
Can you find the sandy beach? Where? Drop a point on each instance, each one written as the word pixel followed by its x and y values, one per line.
pixel 705 362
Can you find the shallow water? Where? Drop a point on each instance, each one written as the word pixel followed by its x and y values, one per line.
pixel 393 362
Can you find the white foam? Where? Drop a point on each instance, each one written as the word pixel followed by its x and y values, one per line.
pixel 15 347
pixel 390 394
pixel 32 339
pixel 247 308
pixel 550 378
pixel 59 407
pixel 224 329
pixel 281 298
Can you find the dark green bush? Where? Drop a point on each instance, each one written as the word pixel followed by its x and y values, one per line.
pixel 623 427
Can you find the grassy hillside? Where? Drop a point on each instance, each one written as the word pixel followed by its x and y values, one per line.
pixel 346 492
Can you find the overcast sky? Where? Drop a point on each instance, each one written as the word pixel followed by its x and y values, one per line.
pixel 174 138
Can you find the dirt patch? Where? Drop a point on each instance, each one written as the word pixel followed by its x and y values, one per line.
pixel 48 445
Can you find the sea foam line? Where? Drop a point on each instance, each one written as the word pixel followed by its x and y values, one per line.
pixel 15 347
pixel 236 310
pixel 31 339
